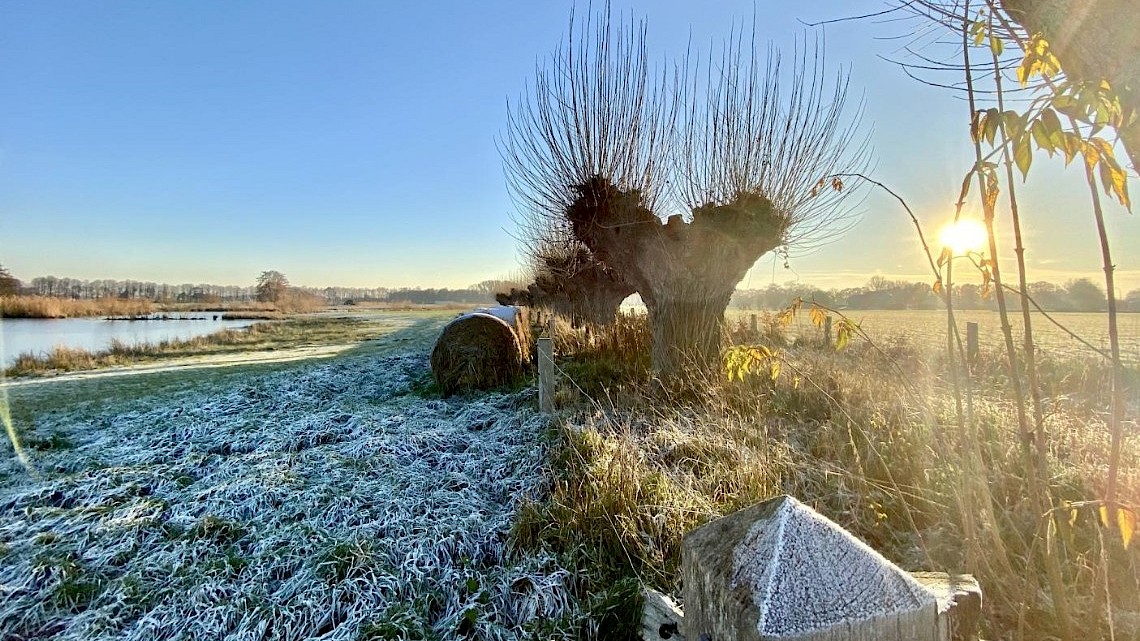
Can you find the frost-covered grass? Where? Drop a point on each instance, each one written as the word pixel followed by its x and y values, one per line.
pixel 321 500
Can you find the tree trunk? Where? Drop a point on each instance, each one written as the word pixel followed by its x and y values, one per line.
pixel 1094 40
pixel 685 271
pixel 687 322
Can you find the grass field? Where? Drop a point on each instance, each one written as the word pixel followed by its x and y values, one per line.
pixel 870 437
pixel 340 498
pixel 928 327
pixel 324 498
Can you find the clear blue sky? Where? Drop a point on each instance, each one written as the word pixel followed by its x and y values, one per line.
pixel 353 143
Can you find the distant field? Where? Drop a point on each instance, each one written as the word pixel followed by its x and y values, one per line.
pixel 929 326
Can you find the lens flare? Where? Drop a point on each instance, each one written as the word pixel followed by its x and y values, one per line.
pixel 965 236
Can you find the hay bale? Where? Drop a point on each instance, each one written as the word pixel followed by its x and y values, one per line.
pixel 477 351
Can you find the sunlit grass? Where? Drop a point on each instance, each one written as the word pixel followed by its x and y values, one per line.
pixel 52 307
pixel 866 435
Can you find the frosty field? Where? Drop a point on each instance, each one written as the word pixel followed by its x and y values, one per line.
pixel 323 499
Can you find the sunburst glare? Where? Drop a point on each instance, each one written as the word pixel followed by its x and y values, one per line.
pixel 965 236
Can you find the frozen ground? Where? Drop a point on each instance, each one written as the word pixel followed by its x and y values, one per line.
pixel 319 501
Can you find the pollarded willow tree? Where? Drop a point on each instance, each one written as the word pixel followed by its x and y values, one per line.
pixel 602 150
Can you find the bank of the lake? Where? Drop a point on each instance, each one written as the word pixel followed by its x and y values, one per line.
pixel 299 334
pixel 38 337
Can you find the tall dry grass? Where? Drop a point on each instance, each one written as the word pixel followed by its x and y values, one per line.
pixel 51 307
pixel 866 435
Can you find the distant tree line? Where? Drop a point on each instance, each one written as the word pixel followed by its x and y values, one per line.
pixel 76 288
pixel 269 286
pixel 1079 295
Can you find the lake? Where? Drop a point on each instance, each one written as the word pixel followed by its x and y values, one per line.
pixel 19 335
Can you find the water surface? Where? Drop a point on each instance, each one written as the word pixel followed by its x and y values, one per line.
pixel 40 336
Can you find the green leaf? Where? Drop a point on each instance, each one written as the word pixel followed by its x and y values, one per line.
pixel 1022 155
pixel 978 30
pixel 1071 145
pixel 993 121
pixel 1014 124
pixel 1051 122
pixel 842 336
pixel 1041 136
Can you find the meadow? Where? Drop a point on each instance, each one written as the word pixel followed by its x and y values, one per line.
pixel 409 516
pixel 870 436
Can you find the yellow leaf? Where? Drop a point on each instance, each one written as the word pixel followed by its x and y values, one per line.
pixel 817 316
pixel 937 287
pixel 996 45
pixel 1126 520
pixel 1103 515
pixel 1023 72
pixel 775 370
pixel 1073 514
pixel 1090 153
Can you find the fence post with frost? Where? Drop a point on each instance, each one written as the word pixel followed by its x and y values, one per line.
pixel 779 571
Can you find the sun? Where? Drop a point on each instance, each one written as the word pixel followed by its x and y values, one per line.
pixel 965 236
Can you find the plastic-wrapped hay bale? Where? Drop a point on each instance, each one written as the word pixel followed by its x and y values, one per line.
pixel 476 351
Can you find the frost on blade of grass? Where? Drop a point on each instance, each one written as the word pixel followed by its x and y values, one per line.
pixel 320 501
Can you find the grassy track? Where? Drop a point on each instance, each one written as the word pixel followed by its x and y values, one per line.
pixel 318 498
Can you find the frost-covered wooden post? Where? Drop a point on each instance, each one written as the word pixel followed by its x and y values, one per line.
pixel 827 331
pixel 752 324
pixel 971 342
pixel 780 571
pixel 546 374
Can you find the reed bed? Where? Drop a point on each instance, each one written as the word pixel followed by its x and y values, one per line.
pixel 51 307
pixel 323 501
pixel 54 307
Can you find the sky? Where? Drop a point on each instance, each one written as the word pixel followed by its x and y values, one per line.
pixel 354 143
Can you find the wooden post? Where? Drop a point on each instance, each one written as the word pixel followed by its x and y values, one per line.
pixel 546 374
pixel 827 331
pixel 780 570
pixel 971 342
pixel 752 324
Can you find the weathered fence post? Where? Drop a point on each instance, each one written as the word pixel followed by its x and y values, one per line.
pixel 780 570
pixel 752 323
pixel 971 342
pixel 546 369
pixel 827 331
